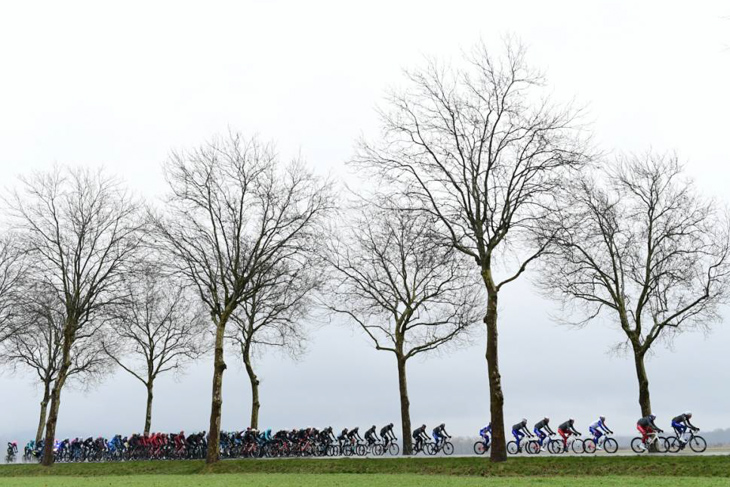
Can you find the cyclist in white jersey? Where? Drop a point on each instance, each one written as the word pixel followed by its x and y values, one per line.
pixel 598 429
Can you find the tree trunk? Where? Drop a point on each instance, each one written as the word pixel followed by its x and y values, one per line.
pixel 255 404
pixel 644 399
pixel 148 415
pixel 219 366
pixel 405 407
pixel 69 335
pixel 496 397
pixel 44 411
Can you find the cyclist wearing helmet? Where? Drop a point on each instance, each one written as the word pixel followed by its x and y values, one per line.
pixel 342 438
pixel 354 435
pixel 371 436
pixel 439 433
pixel 419 434
pixel 386 433
pixel 544 424
pixel 485 432
pixel 680 425
pixel 565 430
pixel 517 431
pixel 598 428
pixel 646 426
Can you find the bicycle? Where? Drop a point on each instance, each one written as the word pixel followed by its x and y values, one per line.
pixel 660 443
pixel 605 443
pixel 549 443
pixel 389 446
pixel 513 448
pixel 445 446
pixel 572 443
pixel 696 443
pixel 482 446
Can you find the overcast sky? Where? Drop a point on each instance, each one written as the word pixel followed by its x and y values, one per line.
pixel 82 83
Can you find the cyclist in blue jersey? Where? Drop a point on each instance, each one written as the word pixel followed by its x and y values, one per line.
pixel 598 429
pixel 544 424
pixel 520 430
pixel 484 433
pixel 439 433
pixel 680 425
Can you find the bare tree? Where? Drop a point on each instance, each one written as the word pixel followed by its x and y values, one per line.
pixel 12 268
pixel 79 229
pixel 158 329
pixel 406 289
pixel 482 150
pixel 233 213
pixel 37 346
pixel 639 246
pixel 273 314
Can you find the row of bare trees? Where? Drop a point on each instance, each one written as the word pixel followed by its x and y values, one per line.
pixel 479 177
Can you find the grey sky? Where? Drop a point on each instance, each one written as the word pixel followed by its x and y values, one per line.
pixel 86 84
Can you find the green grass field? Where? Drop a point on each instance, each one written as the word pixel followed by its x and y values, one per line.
pixel 663 471
pixel 356 480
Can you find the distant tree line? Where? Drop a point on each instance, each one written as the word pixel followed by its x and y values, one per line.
pixel 476 178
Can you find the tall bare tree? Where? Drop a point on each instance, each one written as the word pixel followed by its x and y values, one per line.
pixel 233 213
pixel 639 246
pixel 37 346
pixel 274 313
pixel 12 269
pixel 482 149
pixel 405 287
pixel 158 329
pixel 79 229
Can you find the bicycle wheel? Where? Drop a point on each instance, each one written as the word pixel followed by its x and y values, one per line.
pixel 610 445
pixel 589 445
pixel 637 444
pixel 673 444
pixel 512 448
pixel 378 449
pixel 662 445
pixel 532 447
pixel 578 446
pixel 480 448
pixel 347 451
pixel 698 444
pixel 555 447
pixel 429 448
pixel 360 450
pixel 448 448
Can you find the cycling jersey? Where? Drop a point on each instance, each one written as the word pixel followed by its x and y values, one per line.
pixel 647 422
pixel 599 425
pixel 520 426
pixel 682 418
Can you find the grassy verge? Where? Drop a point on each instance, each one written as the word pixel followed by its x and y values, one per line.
pixel 645 466
pixel 355 480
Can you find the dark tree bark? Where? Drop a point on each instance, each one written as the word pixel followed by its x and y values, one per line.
pixel 483 151
pixel 254 381
pixel 405 407
pixel 44 411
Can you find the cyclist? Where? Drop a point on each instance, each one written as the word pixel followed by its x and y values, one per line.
pixel 342 438
pixel 371 436
pixel 439 434
pixel 419 434
pixel 354 435
pixel 565 430
pixel 544 424
pixel 598 429
pixel 484 433
pixel 386 433
pixel 518 429
pixel 646 426
pixel 680 425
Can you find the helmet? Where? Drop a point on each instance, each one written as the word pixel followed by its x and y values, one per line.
pixel 652 417
pixel 443 425
pixel 688 413
pixel 391 425
pixel 524 420
pixel 423 426
pixel 602 417
pixel 571 420
pixel 546 419
pixel 373 426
